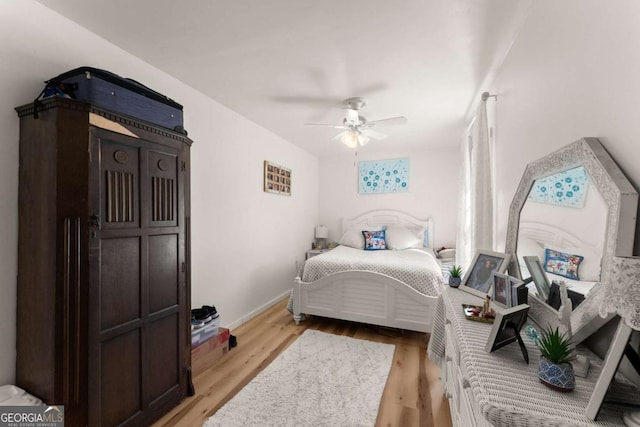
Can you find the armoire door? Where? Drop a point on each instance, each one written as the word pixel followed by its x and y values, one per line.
pixel 137 291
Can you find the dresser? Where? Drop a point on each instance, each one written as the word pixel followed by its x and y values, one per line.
pixel 500 388
pixel 103 264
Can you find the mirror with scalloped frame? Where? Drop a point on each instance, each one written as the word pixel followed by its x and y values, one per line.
pixel 546 216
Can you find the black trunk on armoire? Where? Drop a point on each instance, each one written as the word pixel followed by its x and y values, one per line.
pixel 103 264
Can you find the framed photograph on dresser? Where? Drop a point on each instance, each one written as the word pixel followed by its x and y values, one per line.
pixel 479 277
pixel 506 329
pixel 501 290
pixel 506 291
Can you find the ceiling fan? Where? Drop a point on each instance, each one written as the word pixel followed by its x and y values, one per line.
pixel 356 130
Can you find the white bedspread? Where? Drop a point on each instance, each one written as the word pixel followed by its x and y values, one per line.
pixel 415 267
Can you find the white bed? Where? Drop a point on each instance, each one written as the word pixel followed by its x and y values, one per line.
pixel 367 296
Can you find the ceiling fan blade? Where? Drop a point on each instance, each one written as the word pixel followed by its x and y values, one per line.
pixel 391 121
pixel 327 125
pixel 338 136
pixel 374 134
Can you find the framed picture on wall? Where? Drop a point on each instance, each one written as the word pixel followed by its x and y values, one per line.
pixel 383 176
pixel 277 179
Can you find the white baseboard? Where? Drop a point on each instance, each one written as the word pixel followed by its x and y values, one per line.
pixel 254 313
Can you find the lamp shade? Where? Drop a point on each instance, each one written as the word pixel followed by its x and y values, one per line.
pixel 363 139
pixel 349 139
pixel 322 231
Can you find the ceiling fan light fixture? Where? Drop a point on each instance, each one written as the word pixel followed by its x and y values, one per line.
pixel 363 139
pixel 357 130
pixel 349 139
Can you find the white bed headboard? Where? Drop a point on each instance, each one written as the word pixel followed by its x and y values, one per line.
pixel 550 236
pixel 389 217
pixel 553 236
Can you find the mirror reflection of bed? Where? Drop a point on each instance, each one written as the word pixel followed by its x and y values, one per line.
pixel 564 213
pixel 535 238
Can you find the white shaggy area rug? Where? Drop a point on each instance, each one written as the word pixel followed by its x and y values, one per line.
pixel 320 380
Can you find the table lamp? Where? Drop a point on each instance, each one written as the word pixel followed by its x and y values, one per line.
pixel 322 233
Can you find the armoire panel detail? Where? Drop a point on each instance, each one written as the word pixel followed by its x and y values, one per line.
pixel 163 271
pixel 120 281
pixel 163 177
pixel 120 183
pixel 163 199
pixel 163 361
pixel 121 378
pixel 120 195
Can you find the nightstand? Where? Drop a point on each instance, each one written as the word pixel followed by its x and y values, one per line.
pixel 314 252
pixel 447 255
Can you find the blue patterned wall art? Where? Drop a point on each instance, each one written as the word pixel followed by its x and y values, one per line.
pixel 568 188
pixel 383 176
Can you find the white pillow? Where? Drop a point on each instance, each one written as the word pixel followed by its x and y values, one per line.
pixel 399 237
pixel 529 247
pixel 353 236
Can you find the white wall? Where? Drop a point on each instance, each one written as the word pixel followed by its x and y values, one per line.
pixel 245 242
pixel 572 72
pixel 433 192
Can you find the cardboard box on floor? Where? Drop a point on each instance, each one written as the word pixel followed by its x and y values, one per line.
pixel 209 352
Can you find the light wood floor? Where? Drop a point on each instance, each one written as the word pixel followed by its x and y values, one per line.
pixel 413 395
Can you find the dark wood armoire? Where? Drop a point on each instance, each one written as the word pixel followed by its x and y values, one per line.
pixel 103 264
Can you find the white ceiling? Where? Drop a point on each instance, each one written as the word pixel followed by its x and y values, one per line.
pixel 282 63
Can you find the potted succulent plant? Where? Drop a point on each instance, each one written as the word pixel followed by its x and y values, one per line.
pixel 555 369
pixel 455 276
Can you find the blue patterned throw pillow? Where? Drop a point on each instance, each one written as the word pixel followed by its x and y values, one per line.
pixel 374 240
pixel 562 264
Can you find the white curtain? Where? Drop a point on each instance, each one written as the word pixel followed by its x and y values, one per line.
pixel 475 211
